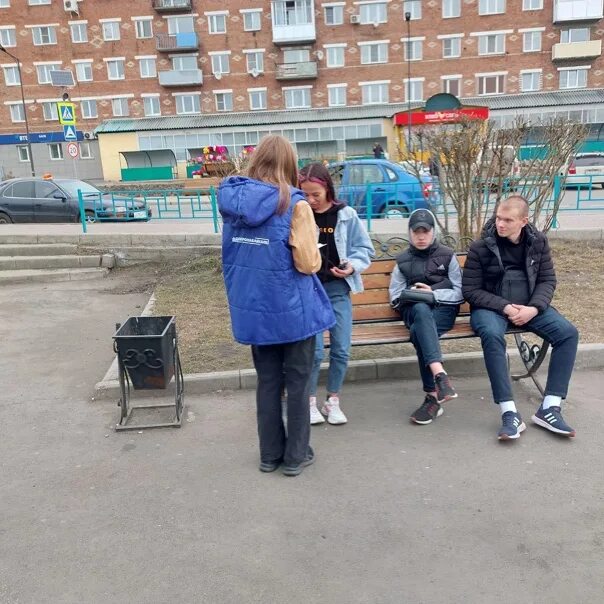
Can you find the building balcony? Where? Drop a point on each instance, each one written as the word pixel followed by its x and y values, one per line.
pixel 181 77
pixel 171 6
pixel 293 21
pixel 580 10
pixel 577 50
pixel 176 42
pixel 297 71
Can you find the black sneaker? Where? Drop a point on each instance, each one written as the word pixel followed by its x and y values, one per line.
pixel 429 411
pixel 295 469
pixel 444 390
pixel 551 419
pixel 269 466
pixel 511 426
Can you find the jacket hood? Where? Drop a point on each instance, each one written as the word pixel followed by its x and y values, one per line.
pixel 247 202
pixel 434 231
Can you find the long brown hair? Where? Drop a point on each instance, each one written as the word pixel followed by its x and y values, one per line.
pixel 274 161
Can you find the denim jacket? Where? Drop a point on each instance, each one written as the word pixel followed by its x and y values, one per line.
pixel 354 244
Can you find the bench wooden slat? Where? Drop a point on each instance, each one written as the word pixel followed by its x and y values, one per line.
pixel 374 312
pixel 379 266
pixel 376 281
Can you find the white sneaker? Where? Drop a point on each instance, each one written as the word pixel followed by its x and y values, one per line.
pixel 315 414
pixel 331 408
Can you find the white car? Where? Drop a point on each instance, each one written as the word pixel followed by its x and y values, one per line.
pixel 585 169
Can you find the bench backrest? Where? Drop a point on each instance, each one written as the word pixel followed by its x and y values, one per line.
pixel 374 303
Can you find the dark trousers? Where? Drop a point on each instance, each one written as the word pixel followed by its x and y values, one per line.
pixel 550 325
pixel 426 324
pixel 281 365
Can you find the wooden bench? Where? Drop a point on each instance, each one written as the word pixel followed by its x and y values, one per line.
pixel 375 322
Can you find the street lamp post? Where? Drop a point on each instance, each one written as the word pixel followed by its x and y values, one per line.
pixel 408 21
pixel 31 157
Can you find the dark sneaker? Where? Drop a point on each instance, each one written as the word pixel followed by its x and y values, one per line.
pixel 269 466
pixel 444 390
pixel 551 419
pixel 295 469
pixel 429 410
pixel 511 426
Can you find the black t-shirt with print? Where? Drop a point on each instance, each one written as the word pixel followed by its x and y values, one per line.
pixel 326 221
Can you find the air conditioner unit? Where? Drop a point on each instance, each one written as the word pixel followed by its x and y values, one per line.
pixel 254 73
pixel 89 135
pixel 71 6
pixel 218 75
pixel 355 19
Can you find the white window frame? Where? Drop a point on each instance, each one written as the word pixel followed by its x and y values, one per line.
pixel 23 157
pixel 252 19
pixel 111 29
pixel 49 110
pixel 566 35
pixel 4 3
pixel 531 72
pixel 117 66
pixel 379 48
pixel 580 72
pixel 499 75
pixel 39 39
pixel 6 39
pixel 220 61
pixel 414 7
pixel 454 46
pixel 217 22
pixel 222 100
pixel 81 69
pixel 257 98
pixel 451 9
pixel 184 62
pixel 333 13
pixel 13 79
pixel 491 7
pixel 254 60
pixel 532 4
pixel 58 148
pixel 38 2
pixel 412 86
pixel 373 12
pixel 334 91
pixel 192 99
pixel 89 109
pixel 140 27
pixel 85 150
pixel 413 48
pixel 43 71
pixel 81 28
pixel 151 102
pixel 147 67
pixel 452 78
pixel 122 106
pixel 335 55
pixel 17 112
pixel 532 41
pixel 491 44
pixel 375 93
pixel 297 97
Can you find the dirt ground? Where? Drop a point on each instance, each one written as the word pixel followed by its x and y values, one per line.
pixel 194 292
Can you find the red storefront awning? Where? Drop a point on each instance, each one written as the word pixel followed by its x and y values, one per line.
pixel 419 117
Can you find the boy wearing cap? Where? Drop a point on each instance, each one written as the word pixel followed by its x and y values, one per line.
pixel 429 270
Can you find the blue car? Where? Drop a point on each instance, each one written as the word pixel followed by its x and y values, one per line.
pixel 382 186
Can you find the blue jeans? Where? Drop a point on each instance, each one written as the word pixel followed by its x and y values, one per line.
pixel 426 324
pixel 550 325
pixel 339 339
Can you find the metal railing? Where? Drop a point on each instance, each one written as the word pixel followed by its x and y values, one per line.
pixel 180 41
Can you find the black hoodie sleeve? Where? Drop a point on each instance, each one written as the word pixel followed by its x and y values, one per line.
pixel 546 279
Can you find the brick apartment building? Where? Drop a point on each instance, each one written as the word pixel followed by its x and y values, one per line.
pixel 183 74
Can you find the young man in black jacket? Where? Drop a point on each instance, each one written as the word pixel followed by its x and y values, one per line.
pixel 508 278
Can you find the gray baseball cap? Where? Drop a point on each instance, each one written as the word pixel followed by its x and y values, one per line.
pixel 421 219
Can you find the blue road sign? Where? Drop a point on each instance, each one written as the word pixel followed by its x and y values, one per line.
pixel 69 132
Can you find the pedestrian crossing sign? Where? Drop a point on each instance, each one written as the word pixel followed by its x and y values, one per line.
pixel 69 133
pixel 66 114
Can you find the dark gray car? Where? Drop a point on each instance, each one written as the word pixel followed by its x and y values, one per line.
pixel 56 200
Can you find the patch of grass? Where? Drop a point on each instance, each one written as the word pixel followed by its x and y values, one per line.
pixel 194 292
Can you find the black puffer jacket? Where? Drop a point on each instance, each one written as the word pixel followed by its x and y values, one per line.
pixel 483 271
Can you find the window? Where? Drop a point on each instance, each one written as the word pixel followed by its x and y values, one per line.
pixel 151 106
pixel 575 34
pixel 85 150
pixel 44 34
pixel 16 113
pixel 224 101
pixel 4 3
pixel 374 53
pixel 38 2
pixel 252 20
pixel 573 78
pixel 20 189
pixel 187 103
pixel 414 89
pixel 491 84
pixel 79 32
pixel 8 37
pixel 292 12
pixel 413 49
pixel 217 24
pixel 184 63
pixel 374 13
pixel 530 81
pixel 374 93
pixel 336 95
pixel 43 72
pixel 23 152
pixel 532 4
pixel 531 41
pixel 50 111
pixel 297 98
pixel 257 99
pixel 180 25
pixel 115 69
pixel 492 44
pixel 11 75
pixel 143 28
pixel 576 10
pixel 491 7
pixel 89 109
pixel 111 31
pixel 364 174
pixel 220 63
pixel 148 67
pixel 451 48
pixel 255 62
pixel 56 151
pixel 334 15
pixel 414 7
pixel 335 56
pixel 451 8
pixel 452 85
pixel 120 107
pixel 84 71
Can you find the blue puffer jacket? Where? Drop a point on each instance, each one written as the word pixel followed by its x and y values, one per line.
pixel 270 301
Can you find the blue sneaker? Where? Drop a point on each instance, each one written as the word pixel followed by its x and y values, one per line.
pixel 551 419
pixel 511 426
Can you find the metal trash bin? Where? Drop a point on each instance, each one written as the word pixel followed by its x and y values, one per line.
pixel 148 359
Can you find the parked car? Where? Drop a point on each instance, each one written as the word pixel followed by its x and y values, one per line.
pixel 585 169
pixel 392 191
pixel 56 200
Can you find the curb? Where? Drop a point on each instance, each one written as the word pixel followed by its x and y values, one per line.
pixel 470 364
